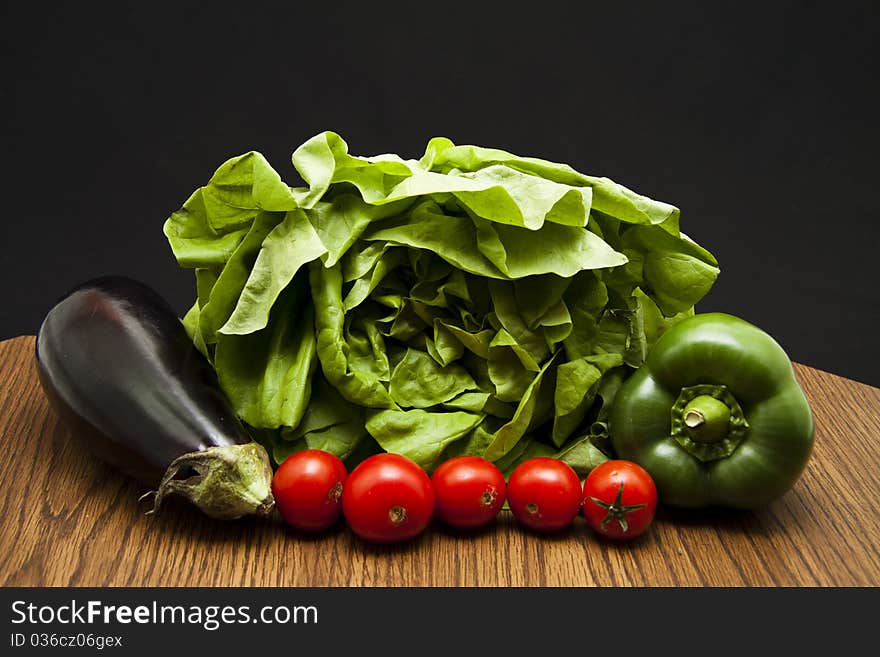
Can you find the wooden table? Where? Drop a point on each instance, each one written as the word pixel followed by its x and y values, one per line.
pixel 68 520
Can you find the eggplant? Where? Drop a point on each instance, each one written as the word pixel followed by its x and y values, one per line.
pixel 122 374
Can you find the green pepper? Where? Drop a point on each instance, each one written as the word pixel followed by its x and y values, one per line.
pixel 715 415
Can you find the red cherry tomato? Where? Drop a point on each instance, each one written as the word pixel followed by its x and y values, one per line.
pixel 544 493
pixel 307 488
pixel 469 491
pixel 620 499
pixel 387 498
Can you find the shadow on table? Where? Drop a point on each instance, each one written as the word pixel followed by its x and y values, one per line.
pixel 723 519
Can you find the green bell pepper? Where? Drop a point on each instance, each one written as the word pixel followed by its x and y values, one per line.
pixel 715 415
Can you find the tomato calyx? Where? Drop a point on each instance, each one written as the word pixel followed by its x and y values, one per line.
pixel 617 511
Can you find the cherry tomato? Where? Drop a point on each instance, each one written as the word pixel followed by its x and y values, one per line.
pixel 620 499
pixel 387 498
pixel 307 488
pixel 544 493
pixel 469 490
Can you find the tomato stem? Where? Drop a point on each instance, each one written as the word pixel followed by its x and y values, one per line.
pixel 616 511
pixel 488 497
pixel 397 515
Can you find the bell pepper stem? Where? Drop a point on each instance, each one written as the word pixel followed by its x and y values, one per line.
pixel 706 419
pixel 694 418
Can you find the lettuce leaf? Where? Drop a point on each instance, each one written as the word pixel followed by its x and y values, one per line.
pixel 471 301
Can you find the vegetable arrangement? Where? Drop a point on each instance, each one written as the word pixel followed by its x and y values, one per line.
pixel 404 340
pixel 389 498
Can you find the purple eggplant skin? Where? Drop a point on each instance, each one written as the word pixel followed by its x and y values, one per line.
pixel 119 369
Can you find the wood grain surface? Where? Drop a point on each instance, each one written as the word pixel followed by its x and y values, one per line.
pixel 68 520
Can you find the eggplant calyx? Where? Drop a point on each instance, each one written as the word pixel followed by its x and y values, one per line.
pixel 226 482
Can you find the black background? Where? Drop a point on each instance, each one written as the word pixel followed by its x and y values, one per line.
pixel 758 120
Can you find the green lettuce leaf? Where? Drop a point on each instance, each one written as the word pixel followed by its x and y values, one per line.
pixel 418 381
pixel 418 434
pixel 267 375
pixel 290 245
pixel 471 301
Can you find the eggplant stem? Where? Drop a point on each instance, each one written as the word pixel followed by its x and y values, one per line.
pixel 149 493
pixel 232 481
